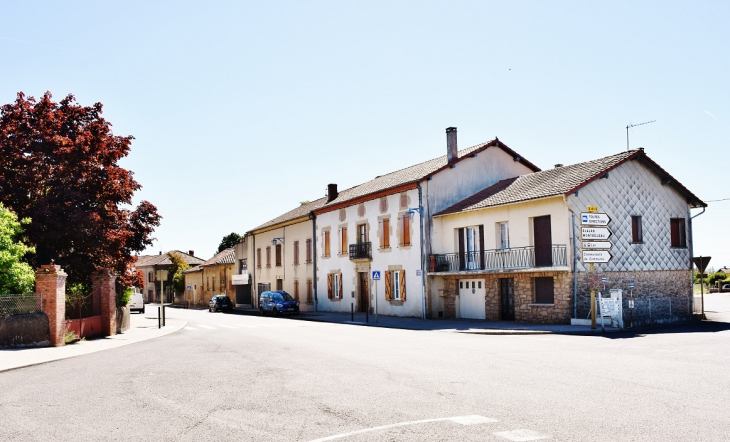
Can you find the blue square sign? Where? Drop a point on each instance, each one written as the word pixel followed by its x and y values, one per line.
pixel 584 219
pixel 376 275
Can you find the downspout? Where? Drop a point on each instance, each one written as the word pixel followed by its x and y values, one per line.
pixel 421 211
pixel 253 278
pixel 313 217
pixel 691 255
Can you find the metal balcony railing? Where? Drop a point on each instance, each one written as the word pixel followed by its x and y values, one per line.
pixel 500 259
pixel 361 251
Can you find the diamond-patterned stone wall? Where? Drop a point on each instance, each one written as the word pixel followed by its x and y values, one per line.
pixel 633 189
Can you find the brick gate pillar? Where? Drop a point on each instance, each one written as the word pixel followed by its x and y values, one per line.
pixel 50 283
pixel 103 281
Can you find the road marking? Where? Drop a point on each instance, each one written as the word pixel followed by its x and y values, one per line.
pixel 463 420
pixel 206 326
pixel 187 327
pixel 521 435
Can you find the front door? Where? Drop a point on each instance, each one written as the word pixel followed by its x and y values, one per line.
pixel 364 297
pixel 543 241
pixel 243 294
pixel 507 298
pixel 472 298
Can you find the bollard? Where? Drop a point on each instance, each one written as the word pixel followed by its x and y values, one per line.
pixel 352 312
pixel 159 318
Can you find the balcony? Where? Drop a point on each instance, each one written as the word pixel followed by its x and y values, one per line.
pixel 361 251
pixel 501 259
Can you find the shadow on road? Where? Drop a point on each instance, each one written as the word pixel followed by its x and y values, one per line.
pixel 693 327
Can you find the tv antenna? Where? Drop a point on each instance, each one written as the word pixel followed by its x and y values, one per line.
pixel 634 125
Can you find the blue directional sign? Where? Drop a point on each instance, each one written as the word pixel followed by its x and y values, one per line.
pixel 376 275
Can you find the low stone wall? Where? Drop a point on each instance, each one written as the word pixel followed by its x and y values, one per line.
pixel 660 296
pixel 25 330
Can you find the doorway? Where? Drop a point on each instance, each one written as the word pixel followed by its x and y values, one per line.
pixel 543 241
pixel 364 296
pixel 507 298
pixel 472 298
pixel 243 294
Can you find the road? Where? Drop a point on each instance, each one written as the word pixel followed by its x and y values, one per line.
pixel 233 377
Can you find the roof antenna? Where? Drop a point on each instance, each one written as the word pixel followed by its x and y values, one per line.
pixel 634 125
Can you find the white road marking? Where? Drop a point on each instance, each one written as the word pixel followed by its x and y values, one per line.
pixel 206 326
pixel 187 327
pixel 463 420
pixel 521 435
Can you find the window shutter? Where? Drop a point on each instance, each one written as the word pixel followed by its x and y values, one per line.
pixel 329 285
pixel 340 281
pixel 406 230
pixel 344 240
pixel 386 233
pixel 481 246
pixel 675 232
pixel 387 285
pixel 462 254
pixel 380 233
pixel 403 285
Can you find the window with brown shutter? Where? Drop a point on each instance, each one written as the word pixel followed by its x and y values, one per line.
pixel 296 253
pixel 544 290
pixel 386 233
pixel 636 233
pixel 309 250
pixel 387 286
pixel 278 255
pixel 310 299
pixel 327 243
pixel 150 279
pixel 678 232
pixel 268 257
pixel 405 231
pixel 296 289
pixel 329 286
pixel 258 258
pixel 339 285
pixel 343 241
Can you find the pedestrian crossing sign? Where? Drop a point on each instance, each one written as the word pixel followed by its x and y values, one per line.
pixel 376 275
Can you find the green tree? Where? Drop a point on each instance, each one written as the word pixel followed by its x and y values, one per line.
pixel 16 276
pixel 717 276
pixel 175 275
pixel 229 241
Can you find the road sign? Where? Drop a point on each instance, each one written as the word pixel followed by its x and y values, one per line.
pixel 376 275
pixel 594 219
pixel 604 279
pixel 190 287
pixel 596 256
pixel 595 233
pixel 592 209
pixel 597 245
pixel 631 284
pixel 701 262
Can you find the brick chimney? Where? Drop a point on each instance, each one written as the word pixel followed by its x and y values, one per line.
pixel 191 252
pixel 331 192
pixel 452 150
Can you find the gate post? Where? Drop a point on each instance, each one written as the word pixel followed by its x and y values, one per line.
pixel 50 283
pixel 103 281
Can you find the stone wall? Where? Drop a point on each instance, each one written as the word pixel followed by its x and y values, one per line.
pixel 24 330
pixel 660 296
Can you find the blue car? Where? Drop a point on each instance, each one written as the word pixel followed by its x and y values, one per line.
pixel 278 303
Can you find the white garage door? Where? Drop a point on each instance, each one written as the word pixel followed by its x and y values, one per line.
pixel 472 298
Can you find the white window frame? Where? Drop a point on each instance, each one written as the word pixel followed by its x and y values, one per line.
pixel 504 235
pixel 472 246
pixel 396 285
pixel 336 286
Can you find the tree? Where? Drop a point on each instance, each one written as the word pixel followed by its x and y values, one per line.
pixel 229 241
pixel 175 273
pixel 59 167
pixel 717 276
pixel 16 276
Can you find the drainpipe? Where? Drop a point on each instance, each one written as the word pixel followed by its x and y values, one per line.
pixel 254 298
pixel 575 266
pixel 691 255
pixel 313 217
pixel 423 266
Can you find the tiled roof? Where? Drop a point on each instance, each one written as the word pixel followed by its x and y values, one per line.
pixel 553 182
pixel 302 210
pixel 194 269
pixel 163 259
pixel 418 172
pixel 225 257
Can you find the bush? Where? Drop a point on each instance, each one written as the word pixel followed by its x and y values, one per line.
pixel 124 297
pixel 717 276
pixel 70 337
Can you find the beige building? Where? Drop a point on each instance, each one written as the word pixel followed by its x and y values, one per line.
pixel 149 264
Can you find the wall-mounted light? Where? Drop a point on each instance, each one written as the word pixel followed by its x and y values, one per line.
pixel 281 240
pixel 412 210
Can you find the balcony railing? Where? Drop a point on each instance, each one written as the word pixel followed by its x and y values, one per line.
pixel 361 251
pixel 501 259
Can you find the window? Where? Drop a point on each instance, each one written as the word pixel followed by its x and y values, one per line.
pixel 296 253
pixel 636 233
pixel 395 285
pixel 268 257
pixel 334 285
pixel 309 251
pixel 296 289
pixel 214 283
pixel 405 230
pixel 503 233
pixel 207 283
pixel 470 247
pixel 309 292
pixel 385 233
pixel 338 292
pixel 278 255
pixel 362 233
pixel 243 265
pixel 544 290
pixel 327 243
pixel 258 258
pixel 343 240
pixel 279 284
pixel 149 277
pixel 679 234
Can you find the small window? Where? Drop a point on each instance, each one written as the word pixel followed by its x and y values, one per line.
pixel 503 235
pixel 678 232
pixel 396 285
pixel 326 243
pixel 405 230
pixel 385 233
pixel 636 232
pixel 343 240
pixel 461 284
pixel 268 257
pixel 258 258
pixel 479 285
pixel 278 255
pixel 309 250
pixel 296 253
pixel 544 290
pixel 336 285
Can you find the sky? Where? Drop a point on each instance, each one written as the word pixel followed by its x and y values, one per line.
pixel 240 110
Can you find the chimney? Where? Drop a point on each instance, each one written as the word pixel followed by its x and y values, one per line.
pixel 558 165
pixel 191 252
pixel 452 150
pixel 331 192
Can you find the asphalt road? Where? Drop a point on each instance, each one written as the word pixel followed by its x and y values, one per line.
pixel 231 377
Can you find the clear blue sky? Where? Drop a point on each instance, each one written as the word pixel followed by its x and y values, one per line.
pixel 242 109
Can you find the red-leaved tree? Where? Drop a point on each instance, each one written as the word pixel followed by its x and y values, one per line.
pixel 59 167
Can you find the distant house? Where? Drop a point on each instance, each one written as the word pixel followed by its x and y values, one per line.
pixel 149 264
pixel 725 270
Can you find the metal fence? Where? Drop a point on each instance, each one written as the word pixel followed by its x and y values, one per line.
pixel 500 259
pixel 78 307
pixel 11 305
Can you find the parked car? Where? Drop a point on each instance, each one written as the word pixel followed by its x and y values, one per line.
pixel 220 303
pixel 278 303
pixel 136 303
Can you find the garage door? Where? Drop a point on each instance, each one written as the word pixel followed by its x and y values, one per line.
pixel 472 298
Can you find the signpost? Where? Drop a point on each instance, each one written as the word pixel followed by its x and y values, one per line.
pixel 601 245
pixel 376 277
pixel 701 263
pixel 601 256
pixel 162 277
pixel 594 234
pixel 594 219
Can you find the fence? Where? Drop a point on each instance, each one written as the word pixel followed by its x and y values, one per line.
pixel 78 307
pixel 11 305
pixel 500 259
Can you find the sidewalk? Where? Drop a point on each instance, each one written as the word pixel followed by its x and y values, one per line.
pixel 142 328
